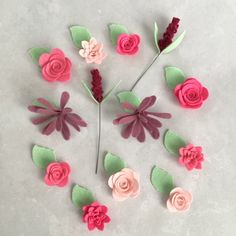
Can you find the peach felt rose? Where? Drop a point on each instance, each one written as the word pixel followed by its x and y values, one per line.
pixel 92 51
pixel 124 184
pixel 191 93
pixel 179 200
pixel 127 44
pixel 55 66
pixel 57 174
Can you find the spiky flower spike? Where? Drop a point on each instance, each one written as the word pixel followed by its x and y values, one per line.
pixel 97 85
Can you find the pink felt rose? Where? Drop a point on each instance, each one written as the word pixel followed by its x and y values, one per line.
pixel 95 215
pixel 127 44
pixel 55 66
pixel 92 51
pixel 191 157
pixel 57 174
pixel 124 184
pixel 179 200
pixel 191 93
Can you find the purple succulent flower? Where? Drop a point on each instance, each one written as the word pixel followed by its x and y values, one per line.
pixel 57 118
pixel 140 119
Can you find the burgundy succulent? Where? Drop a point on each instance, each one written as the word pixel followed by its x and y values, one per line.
pixel 168 36
pixel 97 85
pixel 56 117
pixel 140 119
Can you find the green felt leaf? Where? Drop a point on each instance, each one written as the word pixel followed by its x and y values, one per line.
pixel 173 142
pixel 156 37
pixel 161 180
pixel 111 91
pixel 42 156
pixel 79 34
pixel 113 163
pixel 81 196
pixel 35 53
pixel 130 97
pixel 174 44
pixel 89 92
pixel 115 30
pixel 174 76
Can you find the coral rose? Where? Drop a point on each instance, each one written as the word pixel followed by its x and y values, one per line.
pixel 55 66
pixel 95 215
pixel 191 157
pixel 92 51
pixel 191 93
pixel 124 184
pixel 57 174
pixel 127 44
pixel 179 200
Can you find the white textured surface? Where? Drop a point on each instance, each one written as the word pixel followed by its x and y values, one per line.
pixel 28 207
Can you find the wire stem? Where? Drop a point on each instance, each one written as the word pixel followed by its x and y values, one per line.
pixel 145 70
pixel 99 135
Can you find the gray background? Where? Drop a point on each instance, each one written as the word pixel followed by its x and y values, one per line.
pixel 29 207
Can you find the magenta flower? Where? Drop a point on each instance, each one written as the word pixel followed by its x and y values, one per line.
pixel 140 119
pixel 56 117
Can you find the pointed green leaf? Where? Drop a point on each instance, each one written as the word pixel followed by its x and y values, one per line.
pixel 111 91
pixel 130 97
pixel 173 76
pixel 79 34
pixel 81 196
pixel 35 53
pixel 37 103
pixel 42 156
pixel 113 164
pixel 161 180
pixel 156 37
pixel 173 142
pixel 89 92
pixel 174 44
pixel 115 30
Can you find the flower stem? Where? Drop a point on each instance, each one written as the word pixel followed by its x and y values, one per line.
pixel 144 71
pixel 99 135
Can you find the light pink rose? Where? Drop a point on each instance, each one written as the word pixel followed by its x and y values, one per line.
pixel 55 66
pixel 191 93
pixel 191 157
pixel 124 184
pixel 92 51
pixel 57 174
pixel 127 44
pixel 179 200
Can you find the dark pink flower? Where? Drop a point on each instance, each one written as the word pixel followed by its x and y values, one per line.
pixel 141 119
pixel 97 85
pixel 95 215
pixel 191 157
pixel 55 66
pixel 57 117
pixel 127 44
pixel 57 174
pixel 191 93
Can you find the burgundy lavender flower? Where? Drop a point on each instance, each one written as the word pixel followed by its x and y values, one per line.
pixel 140 119
pixel 97 85
pixel 168 36
pixel 56 117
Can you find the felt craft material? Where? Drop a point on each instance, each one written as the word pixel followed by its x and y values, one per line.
pixel 56 117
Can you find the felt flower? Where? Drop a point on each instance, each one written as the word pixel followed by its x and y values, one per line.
pixel 191 93
pixel 179 200
pixel 191 157
pixel 57 174
pixel 140 119
pixel 56 117
pixel 127 44
pixel 92 51
pixel 55 66
pixel 97 85
pixel 124 184
pixel 169 34
pixel 95 215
